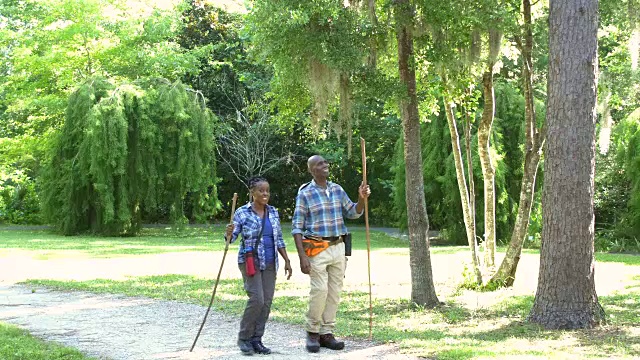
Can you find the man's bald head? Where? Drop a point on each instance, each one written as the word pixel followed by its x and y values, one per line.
pixel 318 168
pixel 313 161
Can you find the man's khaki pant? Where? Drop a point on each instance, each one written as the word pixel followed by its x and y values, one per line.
pixel 326 276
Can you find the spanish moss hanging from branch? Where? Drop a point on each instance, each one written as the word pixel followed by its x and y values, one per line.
pixel 322 86
pixel 345 113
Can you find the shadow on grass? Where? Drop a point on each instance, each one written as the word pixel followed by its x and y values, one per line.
pixel 449 331
pixel 610 340
pixel 623 311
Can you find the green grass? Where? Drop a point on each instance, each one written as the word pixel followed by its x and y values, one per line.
pixel 155 241
pixel 454 330
pixel 17 344
pixel 151 241
pixel 628 259
pixel 450 331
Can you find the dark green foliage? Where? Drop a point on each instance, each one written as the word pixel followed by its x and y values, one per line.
pixel 19 166
pixel 19 202
pixel 441 188
pixel 229 78
pixel 127 150
pixel 616 200
pixel 612 190
pixel 627 139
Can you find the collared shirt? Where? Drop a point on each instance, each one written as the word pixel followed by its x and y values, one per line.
pixel 321 212
pixel 248 223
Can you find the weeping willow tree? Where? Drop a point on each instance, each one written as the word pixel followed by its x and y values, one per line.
pixel 130 149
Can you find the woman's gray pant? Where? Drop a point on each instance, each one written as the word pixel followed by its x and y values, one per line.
pixel 260 288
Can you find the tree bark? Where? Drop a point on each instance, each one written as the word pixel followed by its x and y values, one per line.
pixel 506 274
pixel 534 141
pixel 488 170
pixel 472 193
pixel 469 222
pixel 566 297
pixel 373 46
pixel 422 286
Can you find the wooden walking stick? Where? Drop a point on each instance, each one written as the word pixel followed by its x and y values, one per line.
pixel 215 287
pixel 366 226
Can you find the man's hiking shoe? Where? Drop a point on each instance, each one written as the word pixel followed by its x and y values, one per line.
pixel 245 346
pixel 330 342
pixel 259 347
pixel 313 342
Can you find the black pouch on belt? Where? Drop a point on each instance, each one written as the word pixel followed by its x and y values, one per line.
pixel 347 244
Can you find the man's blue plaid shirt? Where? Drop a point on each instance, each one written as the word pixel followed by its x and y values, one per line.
pixel 321 212
pixel 247 222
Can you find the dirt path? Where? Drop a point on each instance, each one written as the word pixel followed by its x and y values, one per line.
pixel 117 327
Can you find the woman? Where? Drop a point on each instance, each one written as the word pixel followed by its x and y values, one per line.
pixel 259 224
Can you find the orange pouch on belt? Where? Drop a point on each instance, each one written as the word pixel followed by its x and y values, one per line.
pixel 314 247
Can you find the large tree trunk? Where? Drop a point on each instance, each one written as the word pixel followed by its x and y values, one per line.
pixel 566 296
pixel 469 222
pixel 488 171
pixel 422 287
pixel 506 274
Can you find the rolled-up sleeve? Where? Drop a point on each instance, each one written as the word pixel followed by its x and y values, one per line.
pixel 237 225
pixel 299 213
pixel 348 206
pixel 279 239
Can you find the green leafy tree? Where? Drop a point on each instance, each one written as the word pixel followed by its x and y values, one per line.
pixel 229 76
pixel 129 148
pixel 50 47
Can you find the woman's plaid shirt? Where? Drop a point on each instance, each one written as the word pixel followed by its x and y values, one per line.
pixel 248 223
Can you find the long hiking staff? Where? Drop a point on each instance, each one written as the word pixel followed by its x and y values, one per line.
pixel 366 226
pixel 215 287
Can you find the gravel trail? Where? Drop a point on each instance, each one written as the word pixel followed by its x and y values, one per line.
pixel 124 328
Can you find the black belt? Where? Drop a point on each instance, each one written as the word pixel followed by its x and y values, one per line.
pixel 333 240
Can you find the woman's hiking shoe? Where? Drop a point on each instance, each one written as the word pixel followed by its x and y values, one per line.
pixel 245 346
pixel 328 341
pixel 259 347
pixel 313 342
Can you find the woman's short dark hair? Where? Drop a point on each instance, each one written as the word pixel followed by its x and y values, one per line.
pixel 253 182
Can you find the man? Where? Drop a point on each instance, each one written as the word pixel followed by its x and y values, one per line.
pixel 319 232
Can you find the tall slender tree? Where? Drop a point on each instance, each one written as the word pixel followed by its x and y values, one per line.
pixel 422 288
pixel 467 212
pixel 566 296
pixel 484 147
pixel 534 141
